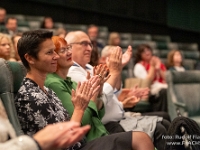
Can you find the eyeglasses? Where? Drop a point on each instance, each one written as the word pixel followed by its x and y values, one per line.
pixel 84 43
pixel 64 50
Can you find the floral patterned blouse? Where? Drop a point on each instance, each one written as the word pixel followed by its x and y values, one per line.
pixel 37 109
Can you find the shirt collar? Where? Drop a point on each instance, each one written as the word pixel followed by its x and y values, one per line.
pixel 77 65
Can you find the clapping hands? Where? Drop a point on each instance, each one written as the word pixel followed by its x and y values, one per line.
pixel 84 92
pixel 130 97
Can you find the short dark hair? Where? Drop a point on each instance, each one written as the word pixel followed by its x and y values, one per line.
pixel 8 18
pixel 30 42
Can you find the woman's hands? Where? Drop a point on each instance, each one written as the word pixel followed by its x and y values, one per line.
pixel 81 97
pixel 130 102
pixel 130 97
pixel 155 62
pixel 84 92
pixel 102 71
pixel 60 135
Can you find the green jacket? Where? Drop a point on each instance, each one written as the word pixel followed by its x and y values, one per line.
pixel 91 115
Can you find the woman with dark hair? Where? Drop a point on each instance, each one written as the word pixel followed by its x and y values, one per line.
pixel 47 23
pixel 39 106
pixel 175 61
pixel 150 67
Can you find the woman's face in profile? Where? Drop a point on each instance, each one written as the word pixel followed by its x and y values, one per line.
pixel 65 60
pixel 47 58
pixel 146 54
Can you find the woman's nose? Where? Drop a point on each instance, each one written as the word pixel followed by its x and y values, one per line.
pixel 56 56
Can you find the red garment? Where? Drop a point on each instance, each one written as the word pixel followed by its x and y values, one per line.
pixel 157 76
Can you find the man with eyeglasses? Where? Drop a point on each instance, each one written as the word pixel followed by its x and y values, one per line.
pixel 81 54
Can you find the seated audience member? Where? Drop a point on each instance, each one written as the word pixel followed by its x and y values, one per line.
pixel 61 32
pixel 63 87
pixel 37 106
pixel 105 54
pixel 11 26
pixel 175 61
pixel 55 136
pixel 150 67
pixel 2 16
pixel 93 32
pixel 15 40
pixel 113 108
pixel 6 48
pixel 47 23
pixel 114 39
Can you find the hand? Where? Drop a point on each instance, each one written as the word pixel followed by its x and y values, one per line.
pixel 81 97
pixel 153 61
pixel 140 93
pixel 102 71
pixel 123 94
pixel 60 135
pixel 95 82
pixel 158 63
pixel 114 62
pixel 130 101
pixel 127 56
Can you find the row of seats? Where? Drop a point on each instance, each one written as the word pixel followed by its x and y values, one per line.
pixel 26 23
pixel 161 44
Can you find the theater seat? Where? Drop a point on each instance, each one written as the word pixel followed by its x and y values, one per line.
pixel 11 75
pixel 183 94
pixel 143 105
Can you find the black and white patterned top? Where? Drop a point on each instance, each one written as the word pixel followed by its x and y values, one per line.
pixel 36 109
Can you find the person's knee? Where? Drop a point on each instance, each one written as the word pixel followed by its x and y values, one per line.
pixel 141 140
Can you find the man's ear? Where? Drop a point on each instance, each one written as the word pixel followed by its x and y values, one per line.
pixel 30 59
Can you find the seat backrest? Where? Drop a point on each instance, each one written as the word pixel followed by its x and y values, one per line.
pixel 141 83
pixel 184 87
pixel 11 75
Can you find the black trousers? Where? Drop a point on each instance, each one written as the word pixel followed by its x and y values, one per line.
pixel 160 132
pixel 159 103
pixel 114 127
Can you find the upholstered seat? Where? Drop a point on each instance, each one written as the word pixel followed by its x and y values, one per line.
pixel 143 105
pixel 11 75
pixel 184 94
